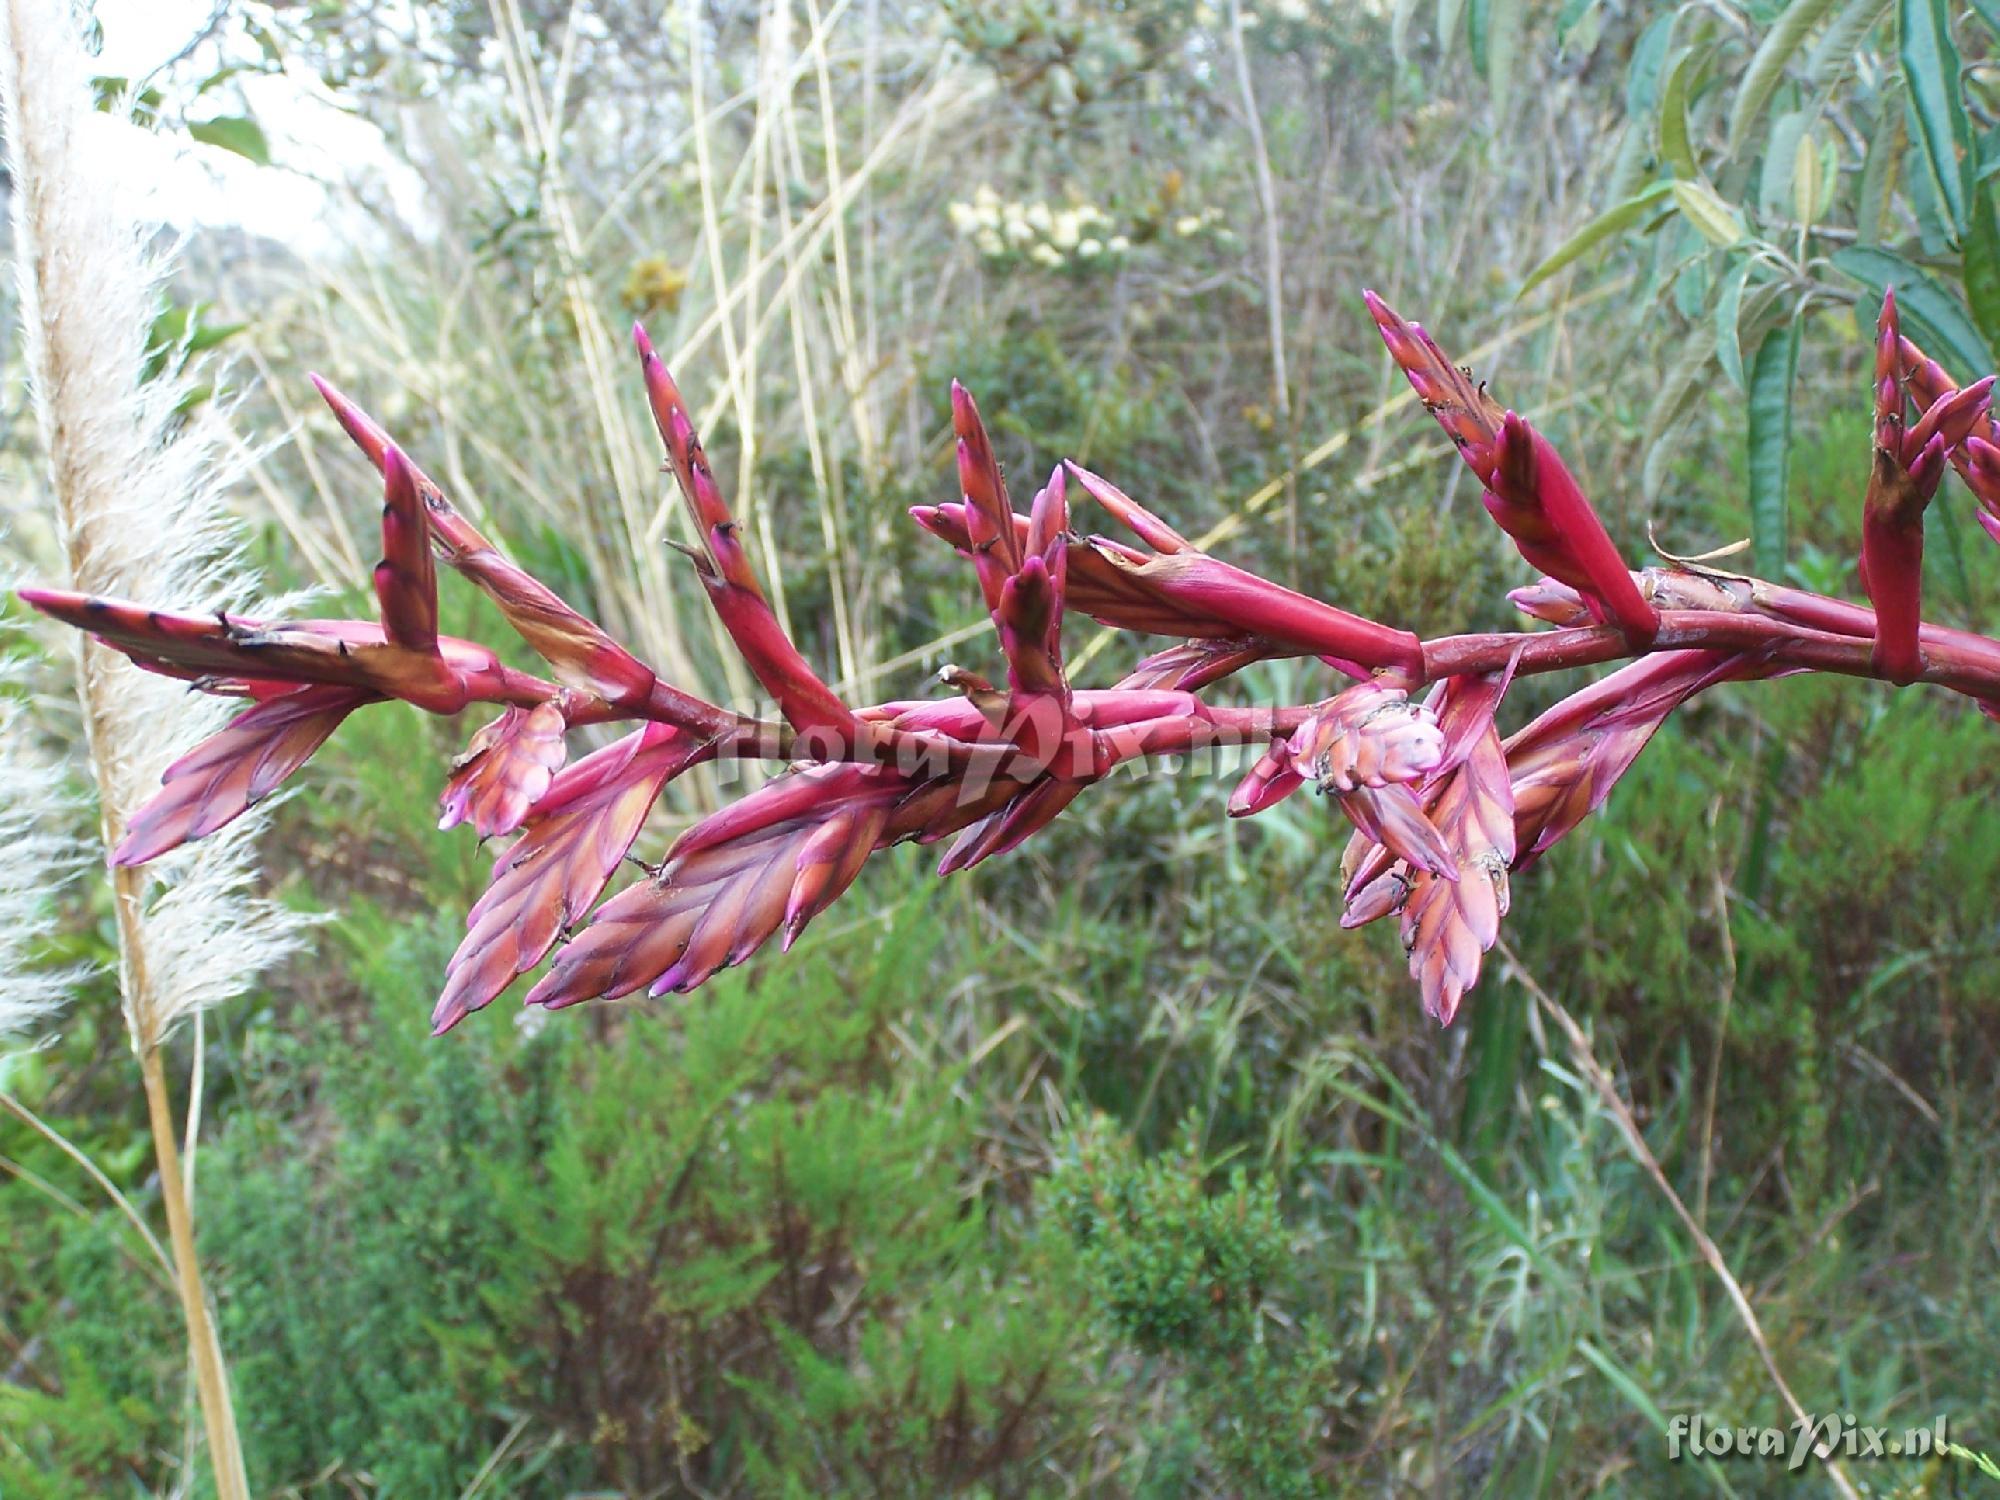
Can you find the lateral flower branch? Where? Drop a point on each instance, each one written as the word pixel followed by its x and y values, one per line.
pixel 1444 806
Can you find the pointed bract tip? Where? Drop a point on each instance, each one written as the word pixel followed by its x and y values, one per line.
pixel 640 340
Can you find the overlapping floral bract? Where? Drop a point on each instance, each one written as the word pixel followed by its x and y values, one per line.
pixel 1444 805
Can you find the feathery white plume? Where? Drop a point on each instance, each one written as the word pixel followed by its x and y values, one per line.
pixel 137 490
pixel 36 856
pixel 138 514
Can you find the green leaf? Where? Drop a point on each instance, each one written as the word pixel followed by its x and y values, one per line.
pixel 1772 375
pixel 1879 173
pixel 1947 331
pixel 1649 60
pixel 1930 71
pixel 1718 222
pixel 1676 149
pixel 1614 220
pixel 1475 31
pixel 1728 325
pixel 1834 52
pixel 1979 263
pixel 1781 158
pixel 1767 66
pixel 1809 180
pixel 238 133
pixel 1503 50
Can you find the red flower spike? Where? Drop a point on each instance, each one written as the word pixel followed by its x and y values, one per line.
pixel 1195 595
pixel 578 649
pixel 1972 450
pixel 1012 825
pixel 1468 415
pixel 232 771
pixel 1565 763
pixel 1194 665
pixel 720 895
pixel 1550 600
pixel 1538 503
pixel 1982 477
pixel 406 578
pixel 1529 491
pixel 1901 482
pixel 1393 817
pixel 575 839
pixel 1148 527
pixel 1951 419
pixel 1448 925
pixel 995 544
pixel 805 700
pixel 1370 735
pixel 507 768
pixel 232 653
pixel 1029 613
pixel 1384 896
pixel 1268 782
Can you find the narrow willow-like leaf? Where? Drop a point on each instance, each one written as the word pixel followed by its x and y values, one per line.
pixel 1767 66
pixel 1649 61
pixel 1879 171
pixel 1717 220
pixel 1676 147
pixel 1833 53
pixel 1979 260
pixel 1808 179
pixel 1937 317
pixel 1612 221
pixel 1781 156
pixel 1728 324
pixel 1930 71
pixel 1772 375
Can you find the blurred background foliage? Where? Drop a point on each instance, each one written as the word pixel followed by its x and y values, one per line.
pixel 1115 1168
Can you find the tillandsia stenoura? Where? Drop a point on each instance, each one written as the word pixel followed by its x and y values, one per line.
pixel 1443 805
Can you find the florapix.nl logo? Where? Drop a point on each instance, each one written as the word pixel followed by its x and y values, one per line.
pixel 1836 1435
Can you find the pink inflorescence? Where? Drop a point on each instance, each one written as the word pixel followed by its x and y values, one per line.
pixel 1444 806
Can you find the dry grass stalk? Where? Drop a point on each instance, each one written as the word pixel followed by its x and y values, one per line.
pixel 136 508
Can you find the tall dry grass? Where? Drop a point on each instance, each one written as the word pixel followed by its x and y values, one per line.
pixel 135 488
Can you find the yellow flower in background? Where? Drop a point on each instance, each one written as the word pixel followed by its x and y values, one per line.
pixel 653 284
